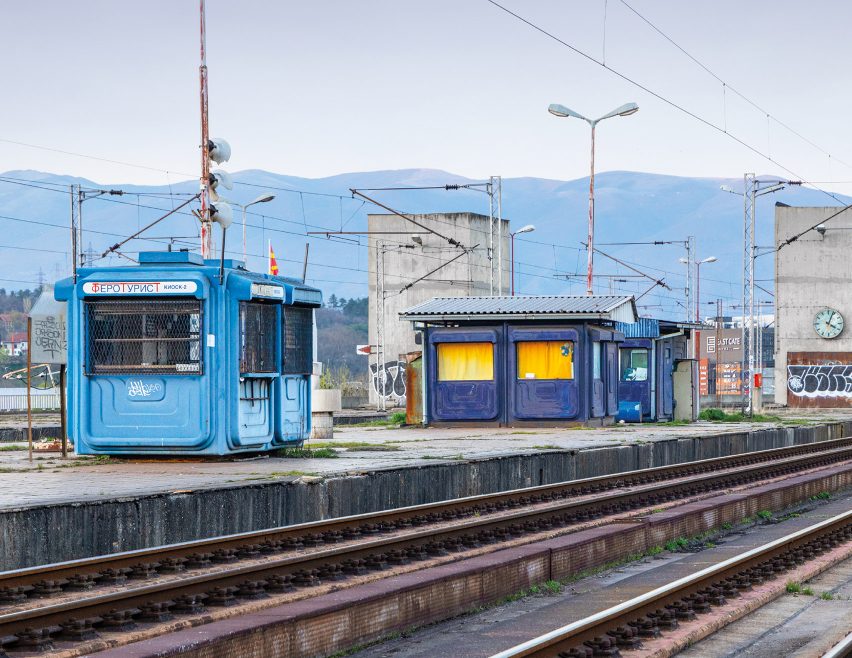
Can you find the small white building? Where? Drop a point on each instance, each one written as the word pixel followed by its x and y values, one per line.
pixel 15 344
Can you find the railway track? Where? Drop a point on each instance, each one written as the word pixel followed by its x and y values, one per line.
pixel 71 601
pixel 648 616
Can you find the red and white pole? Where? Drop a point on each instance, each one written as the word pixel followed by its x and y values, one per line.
pixel 206 233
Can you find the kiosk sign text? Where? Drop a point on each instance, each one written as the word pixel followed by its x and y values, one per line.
pixel 139 287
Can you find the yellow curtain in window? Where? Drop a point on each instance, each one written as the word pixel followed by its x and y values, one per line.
pixel 465 362
pixel 546 359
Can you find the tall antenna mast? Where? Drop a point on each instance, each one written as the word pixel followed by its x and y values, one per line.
pixel 206 233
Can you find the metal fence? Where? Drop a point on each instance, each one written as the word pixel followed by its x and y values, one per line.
pixel 15 399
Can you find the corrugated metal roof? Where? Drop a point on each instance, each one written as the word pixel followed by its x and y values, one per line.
pixel 610 307
pixel 642 328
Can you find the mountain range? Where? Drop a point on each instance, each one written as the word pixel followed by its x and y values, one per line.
pixel 631 207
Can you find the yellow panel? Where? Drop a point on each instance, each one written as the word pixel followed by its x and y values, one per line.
pixel 546 359
pixel 465 362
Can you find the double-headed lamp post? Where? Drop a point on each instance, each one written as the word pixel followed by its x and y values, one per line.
pixel 529 228
pixel 263 198
pixel 698 264
pixel 562 111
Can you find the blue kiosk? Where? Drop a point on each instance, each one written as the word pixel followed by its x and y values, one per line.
pixel 176 356
pixel 516 361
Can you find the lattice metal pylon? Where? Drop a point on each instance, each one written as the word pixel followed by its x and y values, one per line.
pixel 747 365
pixel 494 190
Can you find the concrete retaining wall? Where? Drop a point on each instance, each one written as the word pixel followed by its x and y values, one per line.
pixel 39 535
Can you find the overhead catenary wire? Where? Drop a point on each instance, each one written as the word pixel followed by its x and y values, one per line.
pixel 726 86
pixel 710 124
pixel 521 264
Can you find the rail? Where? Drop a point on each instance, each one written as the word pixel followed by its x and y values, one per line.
pixel 625 614
pixel 337 548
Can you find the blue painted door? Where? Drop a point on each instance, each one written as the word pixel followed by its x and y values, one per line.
pixel 465 374
pixel 634 373
pixel 612 378
pixel 293 410
pixel 665 383
pixel 542 373
pixel 598 370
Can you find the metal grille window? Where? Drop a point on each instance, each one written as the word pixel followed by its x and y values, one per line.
pixel 144 336
pixel 298 340
pixel 257 337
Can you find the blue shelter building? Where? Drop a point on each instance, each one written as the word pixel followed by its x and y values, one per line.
pixel 176 356
pixel 652 358
pixel 525 360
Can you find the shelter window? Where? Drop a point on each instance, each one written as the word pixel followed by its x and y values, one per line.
pixel 545 359
pixel 298 340
pixel 466 362
pixel 634 364
pixel 144 336
pixel 257 337
pixel 596 360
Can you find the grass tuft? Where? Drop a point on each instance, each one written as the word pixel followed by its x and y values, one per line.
pixel 719 416
pixel 306 453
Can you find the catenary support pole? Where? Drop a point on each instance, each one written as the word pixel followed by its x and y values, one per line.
pixel 29 388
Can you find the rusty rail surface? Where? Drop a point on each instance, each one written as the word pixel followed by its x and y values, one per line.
pixel 624 625
pixel 383 538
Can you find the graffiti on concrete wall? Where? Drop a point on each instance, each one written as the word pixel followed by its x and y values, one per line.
pixel 825 380
pixel 389 380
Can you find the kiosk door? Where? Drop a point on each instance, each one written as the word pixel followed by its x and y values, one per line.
pixel 465 378
pixel 258 371
pixel 635 371
pixel 541 373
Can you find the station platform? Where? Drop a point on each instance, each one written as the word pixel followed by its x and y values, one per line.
pixel 120 504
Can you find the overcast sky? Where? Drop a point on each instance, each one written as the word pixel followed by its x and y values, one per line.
pixel 330 86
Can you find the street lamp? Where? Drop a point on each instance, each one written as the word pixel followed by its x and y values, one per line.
pixel 698 263
pixel 709 259
pixel 623 111
pixel 263 198
pixel 529 228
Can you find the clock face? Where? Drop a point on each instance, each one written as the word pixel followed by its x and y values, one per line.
pixel 828 323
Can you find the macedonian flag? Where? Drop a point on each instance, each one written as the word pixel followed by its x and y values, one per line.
pixel 273 265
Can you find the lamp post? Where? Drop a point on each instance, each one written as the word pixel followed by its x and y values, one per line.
pixel 685 261
pixel 529 228
pixel 698 263
pixel 263 198
pixel 622 111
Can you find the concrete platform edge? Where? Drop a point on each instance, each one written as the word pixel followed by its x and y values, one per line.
pixel 53 533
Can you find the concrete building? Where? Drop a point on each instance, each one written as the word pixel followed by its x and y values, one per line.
pixel 447 255
pixel 813 349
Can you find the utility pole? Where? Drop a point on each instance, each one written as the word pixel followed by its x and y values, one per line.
pixel 747 365
pixel 718 336
pixel 690 255
pixel 751 190
pixel 494 189
pixel 380 377
pixel 74 211
pixel 206 232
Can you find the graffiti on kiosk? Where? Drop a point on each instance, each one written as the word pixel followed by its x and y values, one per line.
pixel 820 381
pixel 138 388
pixel 389 380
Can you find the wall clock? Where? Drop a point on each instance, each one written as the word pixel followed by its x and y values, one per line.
pixel 828 323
